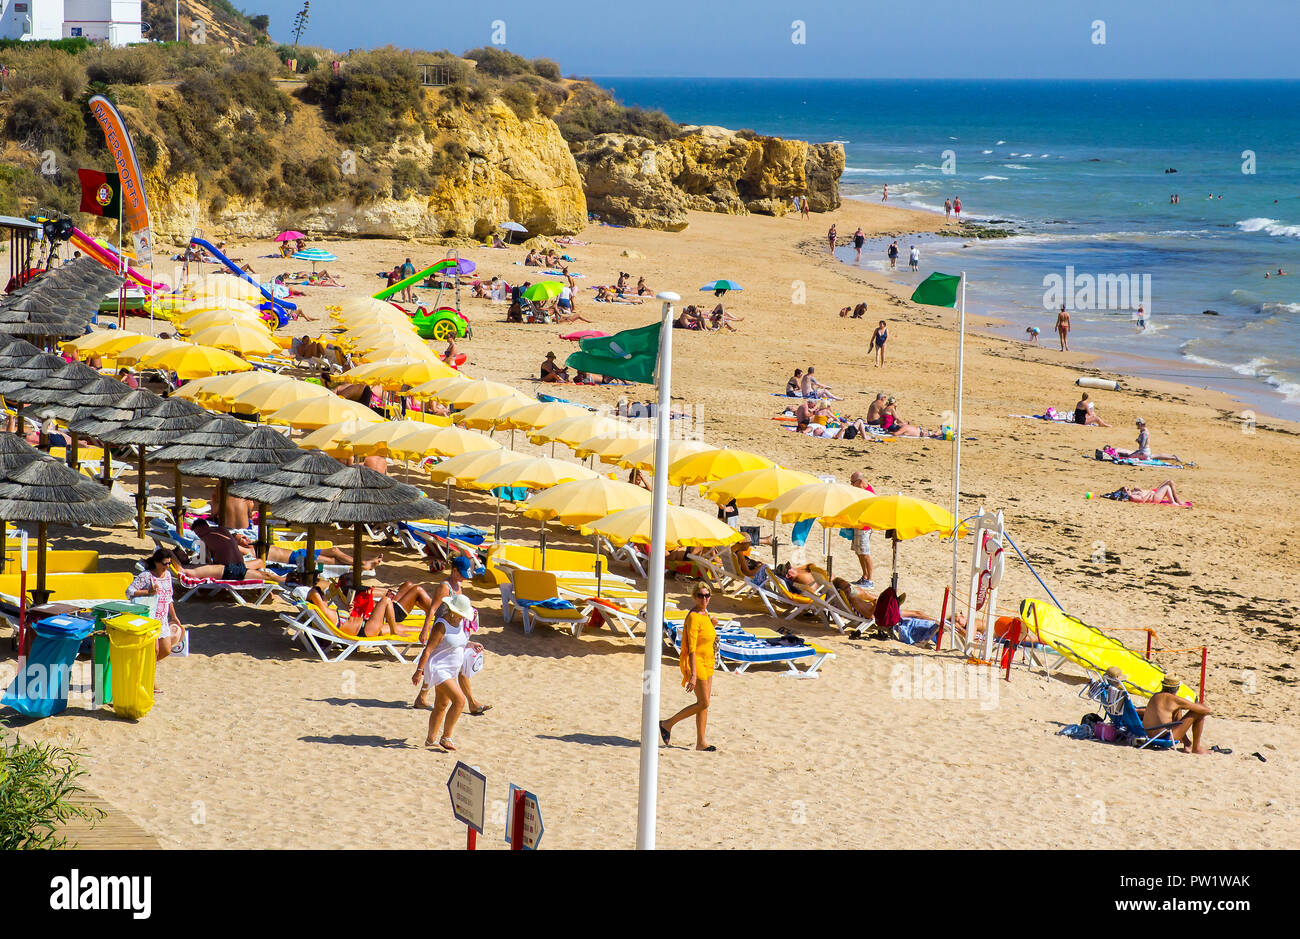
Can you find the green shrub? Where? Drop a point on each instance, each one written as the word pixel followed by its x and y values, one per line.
pixel 520 100
pixel 133 65
pixel 499 63
pixel 409 178
pixel 37 783
pixel 39 121
pixel 546 69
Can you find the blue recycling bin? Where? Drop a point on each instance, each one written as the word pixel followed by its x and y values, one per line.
pixel 41 688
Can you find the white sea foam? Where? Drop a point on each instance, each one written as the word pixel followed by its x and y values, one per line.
pixel 999 143
pixel 1274 308
pixel 986 151
pixel 1015 166
pixel 995 177
pixel 868 171
pixel 1269 226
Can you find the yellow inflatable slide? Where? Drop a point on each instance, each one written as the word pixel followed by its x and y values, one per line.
pixel 1091 648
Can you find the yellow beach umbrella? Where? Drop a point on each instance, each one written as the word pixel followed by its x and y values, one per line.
pixel 271 394
pixel 409 374
pixel 193 308
pixel 643 458
pixel 105 342
pixel 464 470
pixel 818 500
pixel 134 353
pixel 365 308
pixel 685 528
pixel 538 472
pixel 491 413
pixel 217 391
pixel 540 413
pixel 439 389
pixel 756 487
pixel 714 464
pixel 366 372
pixel 223 287
pixel 453 441
pixel 907 516
pixel 575 429
pixel 195 361
pixel 380 337
pixel 476 390
pixel 903 516
pixel 334 439
pixel 211 318
pixel 584 500
pixel 240 338
pixel 612 447
pixel 317 411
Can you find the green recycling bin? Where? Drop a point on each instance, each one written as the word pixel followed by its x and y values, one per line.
pixel 101 674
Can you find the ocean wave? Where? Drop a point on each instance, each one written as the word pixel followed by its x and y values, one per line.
pixel 1273 308
pixel 868 171
pixel 999 143
pixel 1270 226
pixel 844 142
pixel 1015 166
pixel 924 166
pixel 995 177
pixel 986 151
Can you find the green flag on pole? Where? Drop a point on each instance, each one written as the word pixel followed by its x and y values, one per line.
pixel 630 355
pixel 938 290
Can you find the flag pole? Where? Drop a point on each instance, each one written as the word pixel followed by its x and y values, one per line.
pixel 648 783
pixel 956 474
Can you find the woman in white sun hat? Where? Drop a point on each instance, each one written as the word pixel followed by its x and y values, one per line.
pixel 440 666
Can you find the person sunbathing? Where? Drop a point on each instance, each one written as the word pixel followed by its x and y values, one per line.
pixel 571 317
pixel 847 430
pixel 718 318
pixel 896 426
pixel 1164 494
pixel 808 412
pixel 1084 413
pixel 371 615
pixel 277 555
pixel 754 571
pixel 531 259
pixel 326 279
pixel 1143 450
pixel 793 387
pixel 641 289
pixel 232 555
pixel 1167 706
pixel 876 411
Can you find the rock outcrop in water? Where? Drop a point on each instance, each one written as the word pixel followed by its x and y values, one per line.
pixel 632 180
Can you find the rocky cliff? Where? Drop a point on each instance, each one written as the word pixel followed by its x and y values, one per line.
pixel 506 168
pixel 632 180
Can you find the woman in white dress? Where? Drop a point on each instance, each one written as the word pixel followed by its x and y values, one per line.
pixel 154 585
pixel 440 666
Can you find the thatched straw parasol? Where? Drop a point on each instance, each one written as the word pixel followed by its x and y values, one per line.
pixel 357 496
pixel 15 351
pixel 168 421
pixel 15 453
pixel 253 457
pixel 214 437
pixel 310 469
pixel 47 492
pixel 58 386
pixel 25 373
pixel 99 392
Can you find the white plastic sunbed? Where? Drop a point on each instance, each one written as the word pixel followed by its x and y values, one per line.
pixel 739 649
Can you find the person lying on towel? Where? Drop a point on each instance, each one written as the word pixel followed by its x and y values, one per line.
pixel 1164 494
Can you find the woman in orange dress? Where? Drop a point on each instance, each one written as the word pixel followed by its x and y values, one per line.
pixel 699 650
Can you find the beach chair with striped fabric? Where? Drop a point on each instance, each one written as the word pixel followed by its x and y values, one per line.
pixel 771 591
pixel 537 597
pixel 243 592
pixel 740 648
pixel 1120 711
pixel 837 607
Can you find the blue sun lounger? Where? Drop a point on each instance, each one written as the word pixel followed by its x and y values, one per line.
pixel 739 648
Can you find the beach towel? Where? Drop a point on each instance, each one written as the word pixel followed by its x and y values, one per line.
pixel 583 334
pixel 913 629
pixel 511 493
pixel 554 603
pixel 799 533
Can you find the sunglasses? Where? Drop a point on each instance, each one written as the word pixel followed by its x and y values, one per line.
pixel 704 596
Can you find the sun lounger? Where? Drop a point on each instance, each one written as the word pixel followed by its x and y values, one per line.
pixel 243 592
pixel 310 626
pixel 56 562
pixel 1119 710
pixel 534 594
pixel 71 588
pixel 741 648
pixel 772 592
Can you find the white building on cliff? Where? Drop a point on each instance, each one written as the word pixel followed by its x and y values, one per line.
pixel 117 21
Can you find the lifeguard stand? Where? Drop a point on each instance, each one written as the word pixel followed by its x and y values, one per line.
pixel 986 567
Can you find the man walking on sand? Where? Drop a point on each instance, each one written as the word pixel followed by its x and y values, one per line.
pixel 862 536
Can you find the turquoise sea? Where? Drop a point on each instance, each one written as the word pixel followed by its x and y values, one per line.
pixel 1079 170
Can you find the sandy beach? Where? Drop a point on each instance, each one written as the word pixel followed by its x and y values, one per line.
pixel 256 743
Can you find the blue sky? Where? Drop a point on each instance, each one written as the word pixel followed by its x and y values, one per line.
pixel 844 38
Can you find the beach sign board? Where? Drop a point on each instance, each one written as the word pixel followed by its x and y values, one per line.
pixel 468 789
pixel 531 824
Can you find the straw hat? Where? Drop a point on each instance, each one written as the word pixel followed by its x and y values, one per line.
pixel 550 355
pixel 1116 673
pixel 1170 684
pixel 459 604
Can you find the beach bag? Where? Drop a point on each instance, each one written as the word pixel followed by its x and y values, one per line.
pixel 1103 731
pixel 472 663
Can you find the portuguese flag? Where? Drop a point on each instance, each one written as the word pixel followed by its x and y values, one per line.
pixel 101 193
pixel 631 355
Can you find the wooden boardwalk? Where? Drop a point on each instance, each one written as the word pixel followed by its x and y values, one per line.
pixel 116 831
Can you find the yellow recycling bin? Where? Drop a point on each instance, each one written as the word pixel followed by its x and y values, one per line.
pixel 133 658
